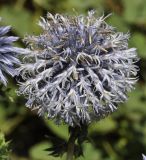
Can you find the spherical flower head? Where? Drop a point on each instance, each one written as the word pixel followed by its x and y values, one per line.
pixel 8 54
pixel 78 70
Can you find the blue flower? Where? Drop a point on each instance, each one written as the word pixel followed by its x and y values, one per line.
pixel 78 70
pixel 8 54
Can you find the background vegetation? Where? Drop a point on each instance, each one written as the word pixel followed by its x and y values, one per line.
pixel 121 136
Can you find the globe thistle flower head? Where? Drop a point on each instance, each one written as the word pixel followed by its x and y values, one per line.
pixel 78 70
pixel 8 54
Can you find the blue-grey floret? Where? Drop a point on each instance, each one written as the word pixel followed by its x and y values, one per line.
pixel 8 54
pixel 78 70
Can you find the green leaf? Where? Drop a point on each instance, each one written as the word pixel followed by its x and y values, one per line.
pixel 38 152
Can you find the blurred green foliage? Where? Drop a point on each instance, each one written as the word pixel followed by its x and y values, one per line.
pixel 4 151
pixel 121 136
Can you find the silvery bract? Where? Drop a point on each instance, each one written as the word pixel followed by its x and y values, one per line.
pixel 8 54
pixel 78 70
pixel 144 157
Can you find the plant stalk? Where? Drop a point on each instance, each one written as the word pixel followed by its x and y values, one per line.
pixel 71 143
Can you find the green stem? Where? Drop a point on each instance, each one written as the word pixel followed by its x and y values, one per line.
pixel 71 143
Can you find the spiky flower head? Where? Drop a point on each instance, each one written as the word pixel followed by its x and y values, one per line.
pixel 78 69
pixel 8 54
